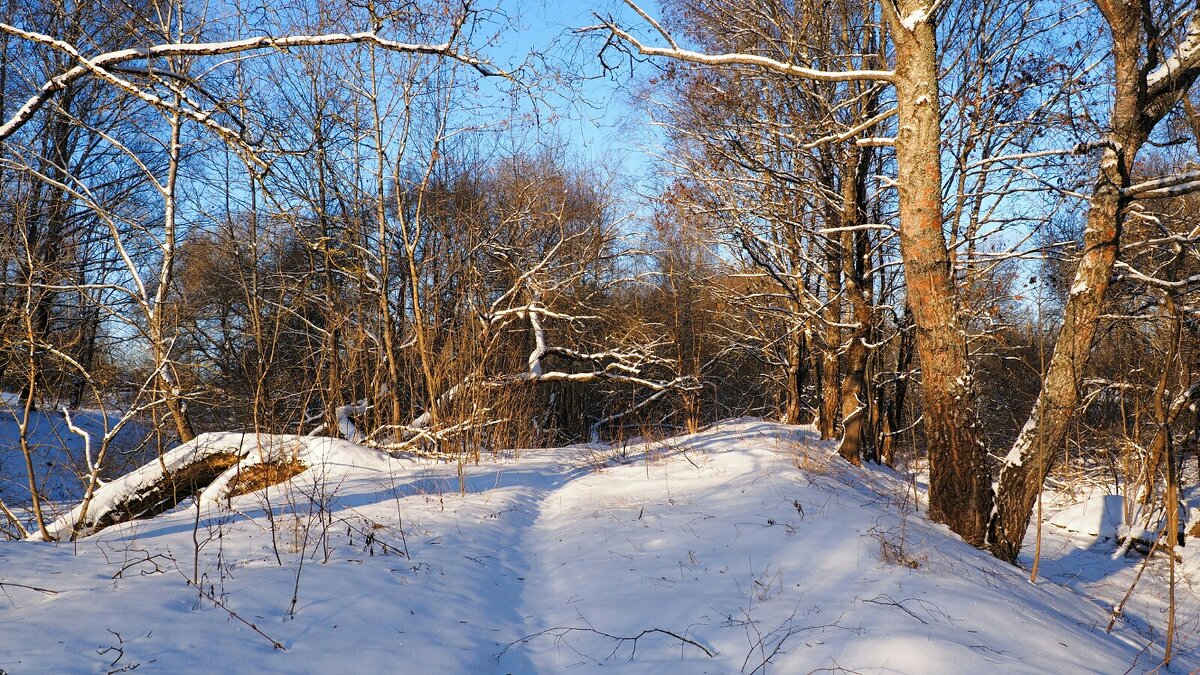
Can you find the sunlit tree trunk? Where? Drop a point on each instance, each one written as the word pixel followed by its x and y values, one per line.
pixel 1138 105
pixel 856 404
pixel 959 479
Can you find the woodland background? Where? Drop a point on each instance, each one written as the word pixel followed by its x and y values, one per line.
pixel 909 223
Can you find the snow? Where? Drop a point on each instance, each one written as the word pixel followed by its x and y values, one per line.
pixel 1098 517
pixel 917 16
pixel 1184 57
pixel 1079 550
pixel 59 453
pixel 346 426
pixel 1016 454
pixel 751 541
pixel 317 453
pixel 1101 517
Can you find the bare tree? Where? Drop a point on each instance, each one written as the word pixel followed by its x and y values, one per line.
pixel 960 491
pixel 1148 83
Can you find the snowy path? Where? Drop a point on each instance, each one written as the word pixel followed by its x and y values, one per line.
pixel 749 542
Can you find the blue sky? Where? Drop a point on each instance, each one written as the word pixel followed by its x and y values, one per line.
pixel 595 117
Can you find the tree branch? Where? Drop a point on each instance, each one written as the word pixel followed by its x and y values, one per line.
pixel 107 60
pixel 731 59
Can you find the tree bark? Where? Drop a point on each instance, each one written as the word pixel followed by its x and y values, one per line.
pixel 1138 106
pixel 168 379
pixel 797 372
pixel 856 403
pixel 959 480
pixel 830 343
pixel 44 236
pixel 895 410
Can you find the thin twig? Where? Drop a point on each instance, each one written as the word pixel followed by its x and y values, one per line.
pixel 234 615
pixel 561 631
pixel 47 591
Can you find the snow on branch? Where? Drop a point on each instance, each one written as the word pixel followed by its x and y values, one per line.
pixel 211 468
pixel 673 51
pixel 619 366
pixel 1186 400
pixel 87 442
pixel 1186 58
pixel 855 130
pixel 911 20
pixel 1137 275
pixel 919 15
pixel 613 365
pixel 109 61
pixel 346 427
pixel 150 489
pixel 1166 186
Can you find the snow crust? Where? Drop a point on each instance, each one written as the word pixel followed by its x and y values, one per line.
pixel 751 540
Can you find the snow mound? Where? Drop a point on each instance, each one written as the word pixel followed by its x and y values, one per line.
pixel 1101 517
pixel 747 548
pixel 229 454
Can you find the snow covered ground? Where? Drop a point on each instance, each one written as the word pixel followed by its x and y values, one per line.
pixel 746 548
pixel 58 453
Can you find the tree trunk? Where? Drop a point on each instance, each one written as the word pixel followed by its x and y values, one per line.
pixel 1031 457
pixel 44 239
pixel 894 417
pixel 1134 115
pixel 856 403
pixel 797 371
pixel 831 342
pixel 959 480
pixel 1161 447
pixel 168 379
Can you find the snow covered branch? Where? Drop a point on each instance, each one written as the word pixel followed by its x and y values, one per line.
pixel 1174 69
pixel 616 33
pixel 1175 185
pixel 1137 275
pixel 87 442
pixel 103 65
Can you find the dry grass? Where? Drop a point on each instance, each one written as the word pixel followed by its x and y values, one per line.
pixel 891 548
pixel 810 460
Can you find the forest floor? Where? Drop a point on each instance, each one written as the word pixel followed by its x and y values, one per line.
pixel 748 548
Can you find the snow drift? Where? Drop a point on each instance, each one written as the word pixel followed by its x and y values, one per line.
pixel 748 548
